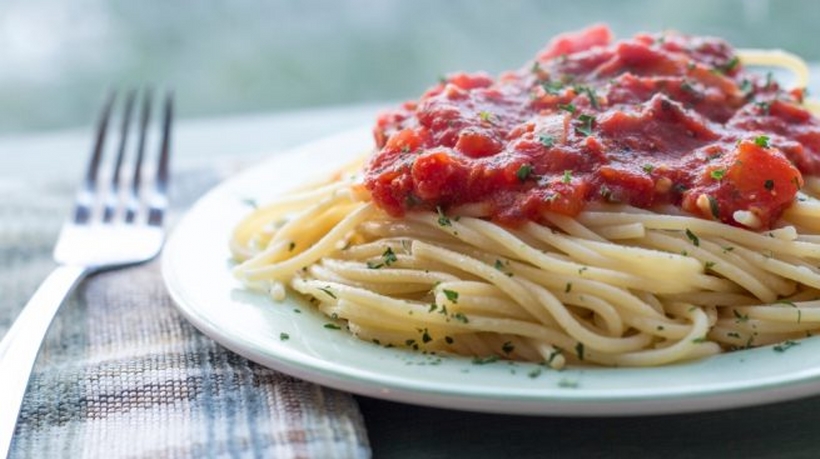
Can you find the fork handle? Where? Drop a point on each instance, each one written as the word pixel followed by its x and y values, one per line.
pixel 20 346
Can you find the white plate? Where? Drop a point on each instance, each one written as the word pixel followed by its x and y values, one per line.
pixel 196 270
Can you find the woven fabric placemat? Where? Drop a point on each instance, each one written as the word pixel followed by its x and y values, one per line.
pixel 122 374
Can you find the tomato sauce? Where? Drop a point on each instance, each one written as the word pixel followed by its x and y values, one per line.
pixel 651 120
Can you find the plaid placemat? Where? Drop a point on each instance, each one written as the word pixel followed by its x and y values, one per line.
pixel 122 374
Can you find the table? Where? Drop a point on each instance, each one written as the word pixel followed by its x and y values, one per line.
pixel 210 149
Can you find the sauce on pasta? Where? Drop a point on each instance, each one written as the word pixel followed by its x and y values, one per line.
pixel 652 120
pixel 572 212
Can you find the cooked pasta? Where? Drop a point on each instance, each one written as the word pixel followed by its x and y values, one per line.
pixel 614 284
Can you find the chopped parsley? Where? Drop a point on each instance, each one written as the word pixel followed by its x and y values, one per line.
pixel 485 116
pixel 332 326
pixel 692 237
pixel 762 141
pixel 579 350
pixel 524 172
pixel 585 124
pixel 443 220
pixel 451 295
pixel 425 336
pixel 552 87
pixel 567 107
pixel 709 265
pixel 328 292
pixel 740 317
pixel 718 174
pixel 284 336
pixel 485 360
pixel 590 93
pixel 785 345
pixel 791 304
pixel 567 178
pixel 729 66
pixel 389 257
pixel 499 265
pixel 546 140
pixel 648 168
pixel 459 316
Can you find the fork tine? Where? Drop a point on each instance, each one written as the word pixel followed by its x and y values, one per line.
pixel 113 193
pixel 85 198
pixel 159 202
pixel 136 181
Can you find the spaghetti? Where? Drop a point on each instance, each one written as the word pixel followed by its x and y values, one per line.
pixel 590 282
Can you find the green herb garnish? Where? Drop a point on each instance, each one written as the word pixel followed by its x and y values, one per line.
pixel 567 107
pixel 785 345
pixel 729 66
pixel 524 172
pixel 485 360
pixel 451 295
pixel 442 219
pixel 718 174
pixel 552 87
pixel 762 141
pixel 546 140
pixel 459 316
pixel 485 116
pixel 328 292
pixel 585 124
pixel 692 237
pixel 590 93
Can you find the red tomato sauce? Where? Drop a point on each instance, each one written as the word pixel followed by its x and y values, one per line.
pixel 651 120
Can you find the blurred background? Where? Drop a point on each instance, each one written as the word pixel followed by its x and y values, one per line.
pixel 245 56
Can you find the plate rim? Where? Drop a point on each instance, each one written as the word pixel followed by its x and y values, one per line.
pixel 565 402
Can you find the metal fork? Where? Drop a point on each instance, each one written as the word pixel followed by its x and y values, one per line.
pixel 112 226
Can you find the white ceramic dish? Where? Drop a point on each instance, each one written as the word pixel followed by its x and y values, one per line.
pixel 196 270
